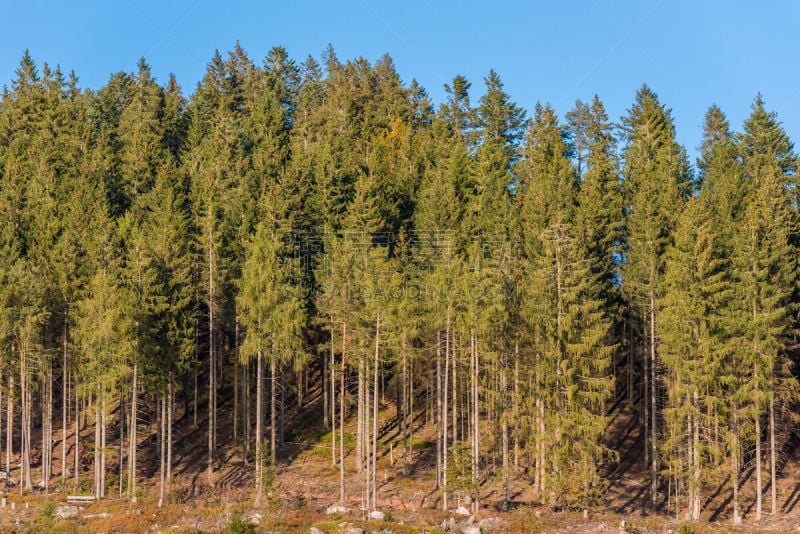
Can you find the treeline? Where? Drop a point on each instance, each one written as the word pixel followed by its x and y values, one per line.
pixel 514 278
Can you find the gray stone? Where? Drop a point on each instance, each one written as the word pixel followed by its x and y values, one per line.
pixel 462 511
pixel 255 519
pixel 488 523
pixel 315 530
pixel 470 529
pixel 354 530
pixel 377 515
pixel 66 512
pixel 337 509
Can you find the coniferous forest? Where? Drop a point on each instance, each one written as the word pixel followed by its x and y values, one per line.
pixel 317 241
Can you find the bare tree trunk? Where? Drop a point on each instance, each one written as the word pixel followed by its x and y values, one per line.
pixel 162 434
pixel 476 426
pixel 273 412
pixel 504 432
pixel 170 411
pixel 403 413
pixel 245 368
pixel 772 453
pixel 122 417
pixel 259 426
pixel 757 460
pixel 696 459
pixel 64 401
pixel 341 416
pixel 445 413
pixel 737 517
pixel 439 443
pixel 132 434
pixel 212 364
pixel 77 434
pixel 360 417
pixel 332 403
pixel 653 391
pixel 103 453
pixel 366 432
pixel 375 415
pixel 10 429
pixel 97 453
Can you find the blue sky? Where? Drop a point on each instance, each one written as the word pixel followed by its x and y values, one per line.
pixel 693 54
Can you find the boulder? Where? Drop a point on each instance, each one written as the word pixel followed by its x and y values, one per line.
pixel 315 530
pixel 337 509
pixel 377 515
pixel 470 529
pixel 487 524
pixel 462 511
pixel 255 519
pixel 66 512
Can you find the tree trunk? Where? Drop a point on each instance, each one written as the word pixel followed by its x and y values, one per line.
pixel 375 415
pixel 170 411
pixel 653 420
pixel 332 403
pixel 476 426
pixel 737 517
pixel 772 453
pixel 64 399
pixel 120 470
pixel 403 414
pixel 132 434
pixel 162 456
pixel 341 416
pixel 445 415
pixel 10 429
pixel 273 411
pixel 757 460
pixel 212 364
pixel 439 444
pixel 259 467
pixel 97 419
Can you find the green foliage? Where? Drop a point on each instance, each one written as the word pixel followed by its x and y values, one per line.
pixel 237 524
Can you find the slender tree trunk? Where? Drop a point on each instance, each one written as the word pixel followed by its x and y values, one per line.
pixel 375 415
pixel 332 403
pixel 653 421
pixel 10 429
pixel 212 364
pixel 735 452
pixel 360 416
pixel 273 411
pixel 77 434
pixel 97 453
pixel 772 453
pixel 120 470
pixel 445 413
pixel 366 442
pixel 504 432
pixel 403 414
pixel 696 459
pixel 103 453
pixel 757 460
pixel 476 426
pixel 170 411
pixel 162 472
pixel 439 441
pixel 259 426
pixel 132 434
pixel 341 416
pixel 64 399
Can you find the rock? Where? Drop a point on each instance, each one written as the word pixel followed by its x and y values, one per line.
pixel 445 526
pixel 377 515
pixel 470 529
pixel 538 514
pixel 66 512
pixel 255 519
pixel 354 530
pixel 470 520
pixel 337 509
pixel 315 530
pixel 462 511
pixel 101 515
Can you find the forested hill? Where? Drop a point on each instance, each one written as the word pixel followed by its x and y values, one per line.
pixel 508 276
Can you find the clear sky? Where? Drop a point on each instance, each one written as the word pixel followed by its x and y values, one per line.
pixel 692 53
